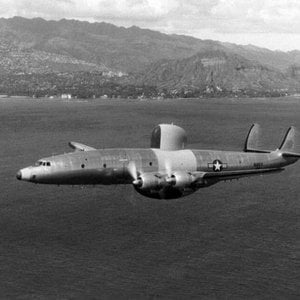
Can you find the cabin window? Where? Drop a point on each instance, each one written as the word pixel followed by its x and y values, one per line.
pixel 44 164
pixel 150 163
pixel 48 164
pixel 104 165
pixel 82 166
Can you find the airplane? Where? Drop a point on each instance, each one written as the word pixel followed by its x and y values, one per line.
pixel 166 170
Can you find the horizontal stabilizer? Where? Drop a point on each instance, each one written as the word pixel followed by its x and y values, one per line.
pixel 252 143
pixel 80 147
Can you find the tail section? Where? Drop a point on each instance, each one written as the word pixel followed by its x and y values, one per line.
pixel 288 147
pixel 252 143
pixel 289 141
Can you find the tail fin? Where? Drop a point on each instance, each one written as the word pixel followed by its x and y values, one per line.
pixel 252 142
pixel 289 145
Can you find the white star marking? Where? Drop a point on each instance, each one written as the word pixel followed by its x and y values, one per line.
pixel 217 166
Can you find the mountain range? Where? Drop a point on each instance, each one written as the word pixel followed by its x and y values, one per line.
pixel 218 69
pixel 148 57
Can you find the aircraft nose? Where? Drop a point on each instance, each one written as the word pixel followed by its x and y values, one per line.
pixel 19 175
pixel 25 174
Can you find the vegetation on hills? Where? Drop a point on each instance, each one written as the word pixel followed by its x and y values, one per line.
pixel 217 70
pixel 41 57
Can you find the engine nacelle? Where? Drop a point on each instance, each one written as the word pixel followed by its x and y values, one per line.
pixel 179 184
pixel 148 182
pixel 181 179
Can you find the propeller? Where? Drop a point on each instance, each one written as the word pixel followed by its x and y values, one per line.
pixel 168 168
pixel 169 179
pixel 132 197
pixel 134 174
pixel 136 182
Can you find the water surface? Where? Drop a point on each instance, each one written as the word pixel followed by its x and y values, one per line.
pixel 232 240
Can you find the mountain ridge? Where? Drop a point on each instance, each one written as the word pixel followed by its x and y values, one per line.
pixel 127 49
pixel 216 69
pixel 148 57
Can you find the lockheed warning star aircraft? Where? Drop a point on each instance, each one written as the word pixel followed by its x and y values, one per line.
pixel 167 170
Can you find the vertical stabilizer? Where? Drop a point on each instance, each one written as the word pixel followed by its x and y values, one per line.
pixel 252 143
pixel 289 142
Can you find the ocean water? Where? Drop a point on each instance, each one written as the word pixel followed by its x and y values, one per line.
pixel 237 239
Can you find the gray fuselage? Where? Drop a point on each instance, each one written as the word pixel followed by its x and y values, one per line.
pixel 167 170
pixel 110 166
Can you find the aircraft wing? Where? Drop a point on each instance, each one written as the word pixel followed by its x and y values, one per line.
pixel 229 175
pixel 80 147
pixel 291 154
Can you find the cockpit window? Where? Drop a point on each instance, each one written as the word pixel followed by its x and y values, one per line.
pixel 43 163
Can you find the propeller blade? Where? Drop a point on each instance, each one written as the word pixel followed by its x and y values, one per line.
pixel 170 179
pixel 134 174
pixel 168 168
pixel 132 170
pixel 132 197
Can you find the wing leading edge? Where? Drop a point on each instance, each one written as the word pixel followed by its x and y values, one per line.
pixel 291 154
pixel 229 175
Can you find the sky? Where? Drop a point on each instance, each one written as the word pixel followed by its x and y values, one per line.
pixel 272 24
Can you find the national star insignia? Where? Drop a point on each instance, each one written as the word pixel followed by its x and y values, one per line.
pixel 217 165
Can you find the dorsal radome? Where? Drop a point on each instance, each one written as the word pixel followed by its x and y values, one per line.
pixel 168 137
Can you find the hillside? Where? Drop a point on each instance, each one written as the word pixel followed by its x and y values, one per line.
pixel 124 49
pixel 275 59
pixel 16 60
pixel 133 56
pixel 118 48
pixel 216 70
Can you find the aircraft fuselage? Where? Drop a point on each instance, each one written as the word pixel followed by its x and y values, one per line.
pixel 110 166
pixel 167 170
